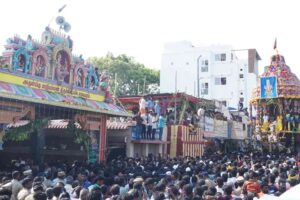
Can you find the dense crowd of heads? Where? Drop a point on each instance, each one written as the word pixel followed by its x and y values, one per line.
pixel 212 177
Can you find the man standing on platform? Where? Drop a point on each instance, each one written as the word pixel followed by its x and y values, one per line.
pixel 149 125
pixel 161 125
pixel 139 122
pixel 154 124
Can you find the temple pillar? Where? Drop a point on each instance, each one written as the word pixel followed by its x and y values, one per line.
pixel 102 144
pixel 147 150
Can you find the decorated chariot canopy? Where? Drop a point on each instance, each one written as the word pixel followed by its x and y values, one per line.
pixel 276 99
pixel 277 81
pixel 46 71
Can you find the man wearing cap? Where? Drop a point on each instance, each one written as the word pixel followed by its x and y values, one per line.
pixel 16 186
pixel 138 180
pixel 60 178
pixel 27 172
pixel 238 192
pixel 148 187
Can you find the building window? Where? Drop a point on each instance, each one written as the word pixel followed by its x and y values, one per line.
pixel 220 57
pixel 241 93
pixel 220 81
pixel 231 56
pixel 244 127
pixel 241 75
pixel 204 66
pixel 187 63
pixel 241 69
pixel 204 88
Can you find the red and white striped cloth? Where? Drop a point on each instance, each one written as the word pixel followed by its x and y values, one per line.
pixel 63 124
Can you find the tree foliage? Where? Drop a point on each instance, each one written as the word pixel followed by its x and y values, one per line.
pixel 130 75
pixel 22 133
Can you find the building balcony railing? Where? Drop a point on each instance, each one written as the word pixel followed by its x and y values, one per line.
pixel 140 135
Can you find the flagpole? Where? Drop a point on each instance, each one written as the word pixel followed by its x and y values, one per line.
pixel 275 46
pixel 175 105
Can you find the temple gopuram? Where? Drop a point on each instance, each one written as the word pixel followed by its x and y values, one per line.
pixel 53 104
pixel 276 106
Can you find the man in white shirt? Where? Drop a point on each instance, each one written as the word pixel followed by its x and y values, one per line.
pixel 154 124
pixel 25 191
pixel 60 178
pixel 16 186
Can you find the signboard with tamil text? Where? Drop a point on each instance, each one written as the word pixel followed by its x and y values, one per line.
pixel 50 87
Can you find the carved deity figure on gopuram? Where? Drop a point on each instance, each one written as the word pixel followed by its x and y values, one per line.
pixel 52 60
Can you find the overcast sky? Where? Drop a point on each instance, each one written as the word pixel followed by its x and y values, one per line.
pixel 140 28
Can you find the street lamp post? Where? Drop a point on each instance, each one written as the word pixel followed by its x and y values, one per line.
pixel 198 86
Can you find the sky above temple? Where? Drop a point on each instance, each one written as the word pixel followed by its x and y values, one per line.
pixel 140 28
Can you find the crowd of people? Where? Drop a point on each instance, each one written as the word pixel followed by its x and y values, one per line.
pixel 213 177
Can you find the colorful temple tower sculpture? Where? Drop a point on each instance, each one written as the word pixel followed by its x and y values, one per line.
pixel 276 101
pixel 43 80
pixel 51 59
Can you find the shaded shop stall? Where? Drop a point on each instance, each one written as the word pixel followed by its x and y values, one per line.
pixel 53 104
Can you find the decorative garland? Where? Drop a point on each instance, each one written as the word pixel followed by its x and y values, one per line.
pixel 22 133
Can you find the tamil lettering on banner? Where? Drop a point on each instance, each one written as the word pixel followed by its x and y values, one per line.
pixel 55 88
pixel 50 87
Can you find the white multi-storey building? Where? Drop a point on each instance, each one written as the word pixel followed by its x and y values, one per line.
pixel 213 72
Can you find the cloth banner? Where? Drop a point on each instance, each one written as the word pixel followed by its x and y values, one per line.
pixel 221 128
pixel 238 132
pixel 209 124
pixel 268 87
